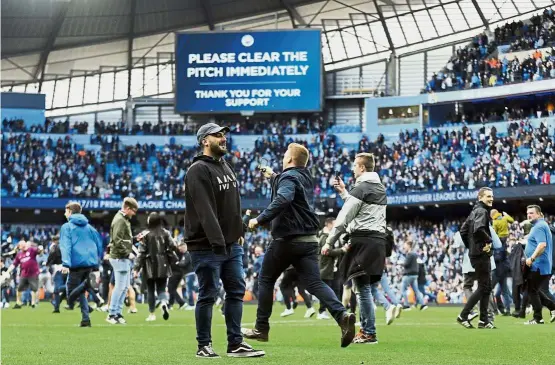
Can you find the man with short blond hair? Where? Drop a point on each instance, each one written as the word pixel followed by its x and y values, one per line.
pixel 121 254
pixel 294 228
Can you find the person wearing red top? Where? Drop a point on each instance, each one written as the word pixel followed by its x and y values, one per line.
pixel 26 258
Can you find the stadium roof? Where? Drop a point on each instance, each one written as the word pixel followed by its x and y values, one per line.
pixel 47 39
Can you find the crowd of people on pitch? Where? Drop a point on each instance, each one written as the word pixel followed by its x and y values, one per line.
pixel 418 161
pixel 471 66
pixel 440 276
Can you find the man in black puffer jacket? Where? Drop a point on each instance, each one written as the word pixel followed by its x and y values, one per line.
pixel 294 228
pixel 475 233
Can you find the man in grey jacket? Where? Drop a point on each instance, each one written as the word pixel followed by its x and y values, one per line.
pixel 363 218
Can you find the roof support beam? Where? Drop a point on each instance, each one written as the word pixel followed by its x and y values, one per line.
pixel 384 25
pixel 207 9
pixel 296 18
pixel 480 13
pixel 130 37
pixel 58 21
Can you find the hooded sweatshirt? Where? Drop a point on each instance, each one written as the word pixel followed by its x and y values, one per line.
pixel 80 244
pixel 213 206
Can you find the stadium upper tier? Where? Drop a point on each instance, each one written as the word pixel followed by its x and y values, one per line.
pixel 518 52
pixel 497 155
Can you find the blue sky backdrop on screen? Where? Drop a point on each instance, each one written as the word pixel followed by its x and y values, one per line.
pixel 268 71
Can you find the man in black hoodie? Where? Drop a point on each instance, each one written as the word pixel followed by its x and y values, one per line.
pixel 294 228
pixel 213 228
pixel 475 233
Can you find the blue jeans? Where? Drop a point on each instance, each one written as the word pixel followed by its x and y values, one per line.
pixel 59 285
pixel 122 279
pixel 378 295
pixel 190 283
pixel 210 268
pixel 412 281
pixel 74 279
pixel 384 282
pixel 366 305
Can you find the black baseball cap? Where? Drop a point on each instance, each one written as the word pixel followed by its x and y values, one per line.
pixel 210 128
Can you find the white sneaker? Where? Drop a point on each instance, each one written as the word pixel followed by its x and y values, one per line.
pixel 323 315
pixel 132 311
pixel 151 317
pixel 390 315
pixel 529 310
pixel 398 310
pixel 190 308
pixel 104 308
pixel 358 324
pixel 287 312
pixel 552 316
pixel 309 313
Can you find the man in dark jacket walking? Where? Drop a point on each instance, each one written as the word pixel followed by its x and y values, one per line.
pixel 294 228
pixel 213 228
pixel 475 234
pixel 410 276
pixel 81 248
pixel 180 268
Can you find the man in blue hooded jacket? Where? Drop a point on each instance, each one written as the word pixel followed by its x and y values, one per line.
pixel 81 248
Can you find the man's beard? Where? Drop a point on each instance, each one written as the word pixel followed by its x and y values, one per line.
pixel 218 150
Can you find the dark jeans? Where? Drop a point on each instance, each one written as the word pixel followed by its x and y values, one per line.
pixel 304 258
pixel 210 268
pixel 538 298
pixel 520 302
pixel 173 283
pixel 75 279
pixel 482 272
pixel 157 285
pixel 59 286
pixel 334 285
pixel 105 281
pixel 289 281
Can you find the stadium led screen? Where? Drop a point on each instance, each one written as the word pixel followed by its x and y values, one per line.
pixel 258 71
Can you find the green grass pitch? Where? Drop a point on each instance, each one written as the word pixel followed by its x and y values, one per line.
pixel 36 336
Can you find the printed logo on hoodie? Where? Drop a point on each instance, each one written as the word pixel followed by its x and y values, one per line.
pixel 224 185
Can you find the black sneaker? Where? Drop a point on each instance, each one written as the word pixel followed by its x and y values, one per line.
pixel 464 322
pixel 112 319
pixel 56 311
pixel 347 325
pixel 85 323
pixel 33 306
pixel 486 325
pixel 120 319
pixel 17 306
pixel 165 311
pixel 243 349
pixel 207 352
pixel 254 334
pixel 423 307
